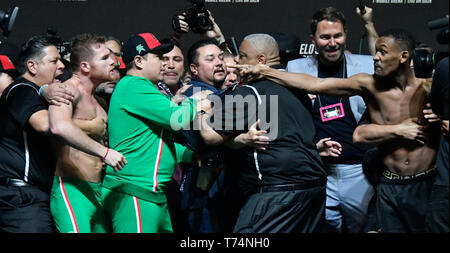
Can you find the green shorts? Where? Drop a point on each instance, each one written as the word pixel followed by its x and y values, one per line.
pixel 77 207
pixel 130 214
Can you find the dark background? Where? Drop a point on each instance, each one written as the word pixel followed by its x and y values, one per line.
pixel 120 18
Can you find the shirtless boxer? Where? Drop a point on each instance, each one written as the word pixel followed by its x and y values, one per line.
pixel 76 203
pixel 395 99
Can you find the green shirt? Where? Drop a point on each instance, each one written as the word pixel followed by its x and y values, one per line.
pixel 141 121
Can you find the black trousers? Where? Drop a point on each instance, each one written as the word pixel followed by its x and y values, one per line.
pixel 25 209
pixel 437 214
pixel 402 204
pixel 298 211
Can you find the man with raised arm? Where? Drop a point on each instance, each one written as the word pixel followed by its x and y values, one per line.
pixel 395 100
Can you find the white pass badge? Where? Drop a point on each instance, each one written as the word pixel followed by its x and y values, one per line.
pixel 331 112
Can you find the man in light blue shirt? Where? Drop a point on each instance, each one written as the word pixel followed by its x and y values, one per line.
pixel 348 190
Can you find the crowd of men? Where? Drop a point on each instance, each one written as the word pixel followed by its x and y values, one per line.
pixel 122 138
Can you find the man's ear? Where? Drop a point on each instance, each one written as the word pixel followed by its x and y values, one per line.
pixel 32 67
pixel 404 56
pixel 262 58
pixel 139 62
pixel 313 39
pixel 85 67
pixel 194 69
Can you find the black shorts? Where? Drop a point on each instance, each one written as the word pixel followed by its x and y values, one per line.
pixel 437 214
pixel 402 203
pixel 25 209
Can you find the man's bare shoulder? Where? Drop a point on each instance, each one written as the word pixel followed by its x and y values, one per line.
pixel 73 84
pixel 425 83
pixel 364 80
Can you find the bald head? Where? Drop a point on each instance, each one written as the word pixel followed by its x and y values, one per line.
pixel 259 48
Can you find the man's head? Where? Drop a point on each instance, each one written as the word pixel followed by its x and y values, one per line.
pixel 259 48
pixel 142 53
pixel 173 64
pixel 232 74
pixel 39 61
pixel 206 64
pixel 329 33
pixel 114 45
pixel 394 49
pixel 90 57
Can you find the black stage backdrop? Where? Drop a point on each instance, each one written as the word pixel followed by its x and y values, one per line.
pixel 237 18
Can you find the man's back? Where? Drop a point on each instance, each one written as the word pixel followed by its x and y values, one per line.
pixel 291 157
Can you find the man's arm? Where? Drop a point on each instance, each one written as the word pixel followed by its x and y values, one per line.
pixel 57 93
pixel 374 134
pixel 39 121
pixel 210 137
pixel 253 138
pixel 372 34
pixel 355 85
pixel 61 125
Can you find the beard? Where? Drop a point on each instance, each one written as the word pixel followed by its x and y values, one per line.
pixel 218 81
pixel 331 60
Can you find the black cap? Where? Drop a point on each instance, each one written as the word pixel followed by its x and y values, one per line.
pixel 142 44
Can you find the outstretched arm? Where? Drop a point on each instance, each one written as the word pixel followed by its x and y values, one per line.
pixel 330 86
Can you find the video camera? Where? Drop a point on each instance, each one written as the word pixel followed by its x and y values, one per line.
pixel 7 20
pixel 197 17
pixel 424 60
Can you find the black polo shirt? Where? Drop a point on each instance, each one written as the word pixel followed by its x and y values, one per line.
pixel 291 156
pixel 24 153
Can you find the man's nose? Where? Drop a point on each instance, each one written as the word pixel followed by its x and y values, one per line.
pixel 332 42
pixel 170 64
pixel 60 65
pixel 218 63
pixel 232 77
pixel 376 57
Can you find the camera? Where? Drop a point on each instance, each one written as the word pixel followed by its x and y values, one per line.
pixel 424 60
pixel 197 17
pixel 7 20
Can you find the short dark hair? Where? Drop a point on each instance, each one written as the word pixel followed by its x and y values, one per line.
pixel 109 38
pixel 329 14
pixel 81 48
pixel 192 54
pixel 33 48
pixel 403 39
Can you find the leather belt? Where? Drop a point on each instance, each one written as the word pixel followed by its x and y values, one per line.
pixel 394 176
pixel 292 187
pixel 12 182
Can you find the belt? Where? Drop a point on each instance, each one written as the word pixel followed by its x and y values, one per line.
pixel 394 176
pixel 291 187
pixel 12 182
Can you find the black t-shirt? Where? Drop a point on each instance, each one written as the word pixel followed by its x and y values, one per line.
pixel 341 129
pixel 24 153
pixel 439 103
pixel 291 156
pixel 439 89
